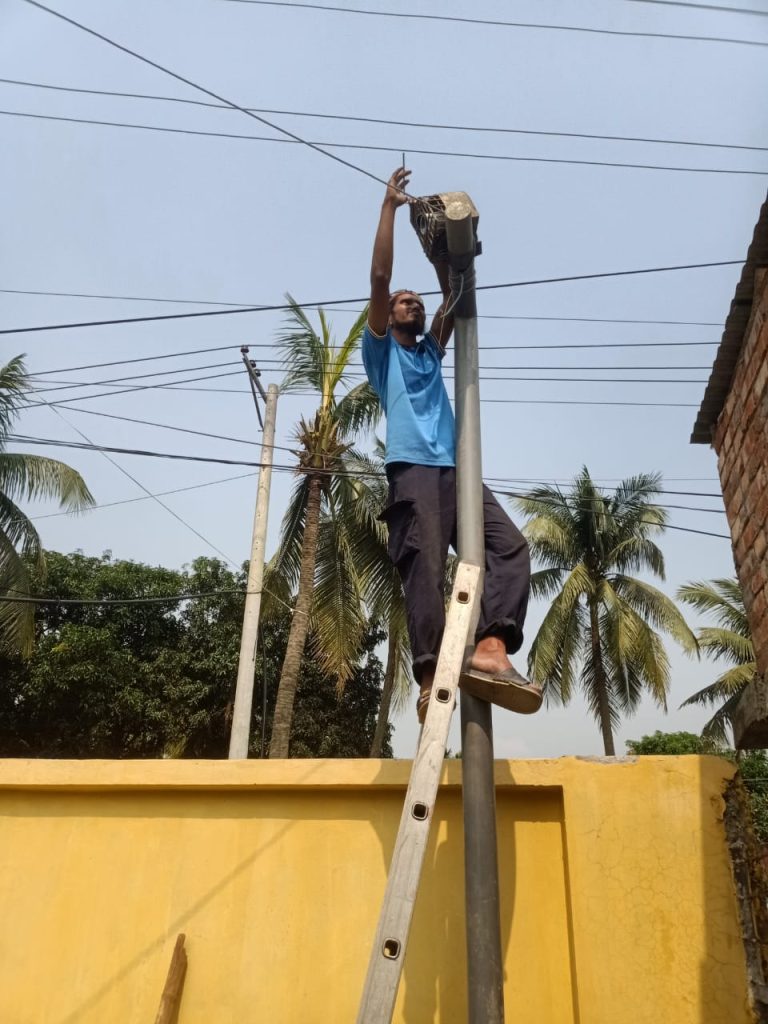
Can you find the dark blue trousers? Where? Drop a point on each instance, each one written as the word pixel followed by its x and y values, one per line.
pixel 421 516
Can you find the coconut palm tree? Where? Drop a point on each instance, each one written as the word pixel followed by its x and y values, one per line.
pixel 380 585
pixel 355 581
pixel 730 640
pixel 25 477
pixel 313 361
pixel 600 631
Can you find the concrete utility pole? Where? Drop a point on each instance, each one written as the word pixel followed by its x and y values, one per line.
pixel 246 669
pixel 481 870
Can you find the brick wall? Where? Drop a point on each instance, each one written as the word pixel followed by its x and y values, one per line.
pixel 741 443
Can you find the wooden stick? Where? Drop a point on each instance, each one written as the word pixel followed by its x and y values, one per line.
pixel 174 984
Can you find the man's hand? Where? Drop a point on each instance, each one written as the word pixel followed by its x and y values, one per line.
pixel 396 187
pixel 381 264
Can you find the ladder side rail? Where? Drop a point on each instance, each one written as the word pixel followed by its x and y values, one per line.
pixel 388 952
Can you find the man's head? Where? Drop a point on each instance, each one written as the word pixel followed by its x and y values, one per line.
pixel 406 312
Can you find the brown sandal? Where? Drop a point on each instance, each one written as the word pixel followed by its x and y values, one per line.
pixel 507 689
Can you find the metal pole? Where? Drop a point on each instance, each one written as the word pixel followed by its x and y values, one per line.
pixel 481 870
pixel 246 668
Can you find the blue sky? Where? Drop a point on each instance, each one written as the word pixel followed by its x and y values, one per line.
pixel 132 212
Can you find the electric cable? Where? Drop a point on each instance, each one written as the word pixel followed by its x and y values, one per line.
pixel 105 453
pixel 181 430
pixel 171 386
pixel 493 130
pixel 335 302
pixel 248 476
pixel 483 348
pixel 500 24
pixel 356 312
pixel 147 497
pixel 358 374
pixel 119 601
pixel 68 385
pixel 704 7
pixel 368 147
pixel 90 446
pixel 494 401
pixel 200 88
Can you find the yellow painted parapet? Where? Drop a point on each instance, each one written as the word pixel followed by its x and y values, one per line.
pixel 618 903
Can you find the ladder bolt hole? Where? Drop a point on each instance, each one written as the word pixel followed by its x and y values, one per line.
pixel 420 812
pixel 391 949
pixel 463 597
pixel 443 695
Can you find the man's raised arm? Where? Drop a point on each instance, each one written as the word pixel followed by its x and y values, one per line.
pixel 383 252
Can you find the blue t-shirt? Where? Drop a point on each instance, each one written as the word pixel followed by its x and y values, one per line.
pixel 409 383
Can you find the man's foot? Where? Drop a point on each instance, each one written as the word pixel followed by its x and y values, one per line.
pixel 425 692
pixel 491 676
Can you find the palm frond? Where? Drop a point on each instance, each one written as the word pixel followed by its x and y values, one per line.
pixel 37 477
pixel 338 622
pixel 727 644
pixel 546 582
pixel 283 570
pixel 636 553
pixel 303 354
pixel 716 728
pixel 554 643
pixel 722 599
pixel 17 619
pixel 730 683
pixel 14 383
pixel 359 410
pixel 19 531
pixel 655 607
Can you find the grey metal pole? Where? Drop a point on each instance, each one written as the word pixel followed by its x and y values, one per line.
pixel 246 668
pixel 481 871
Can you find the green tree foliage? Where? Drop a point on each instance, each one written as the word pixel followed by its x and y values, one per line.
pixel 729 639
pixel 157 680
pixel 601 629
pixel 25 478
pixel 674 743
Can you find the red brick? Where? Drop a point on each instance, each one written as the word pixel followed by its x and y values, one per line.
pixel 761 543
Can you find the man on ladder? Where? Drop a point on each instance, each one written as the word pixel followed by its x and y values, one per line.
pixel 406 374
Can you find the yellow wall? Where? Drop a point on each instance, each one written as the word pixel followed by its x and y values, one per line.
pixel 617 898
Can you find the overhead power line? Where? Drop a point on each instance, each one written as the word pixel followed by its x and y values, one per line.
pixel 487 376
pixel 249 305
pixel 147 497
pixel 363 473
pixel 105 452
pixel 202 89
pixel 111 601
pixel 494 401
pixel 26 439
pixel 501 24
pixel 181 430
pixel 338 302
pixel 493 481
pixel 704 7
pixel 292 469
pixel 273 365
pixel 464 129
pixel 515 158
pixel 131 388
pixel 368 147
pixel 483 348
pixel 68 385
